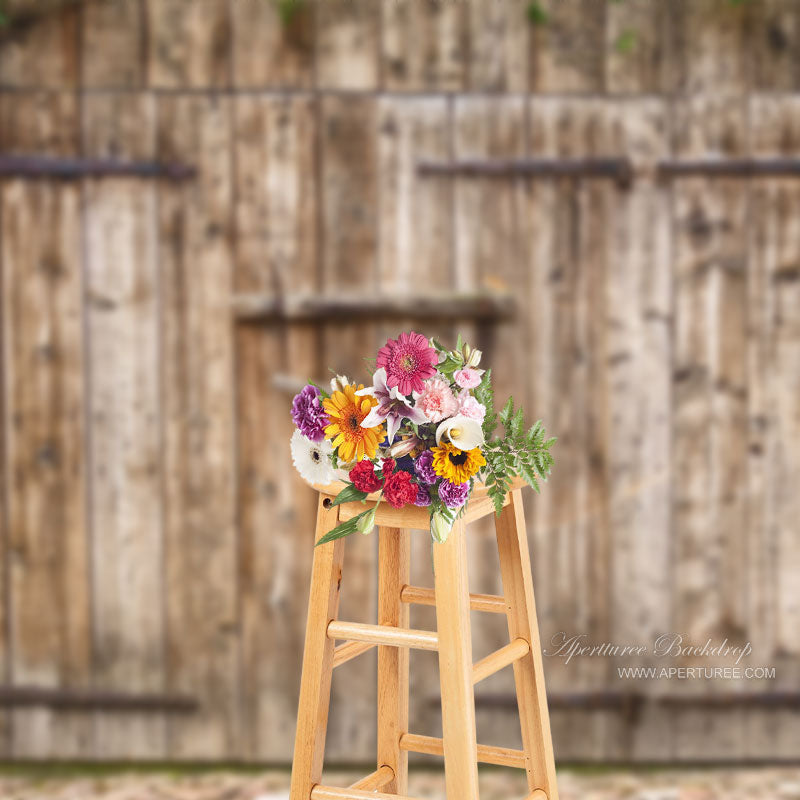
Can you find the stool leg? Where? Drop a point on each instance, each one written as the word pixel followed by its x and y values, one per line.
pixel 315 682
pixel 394 562
pixel 455 666
pixel 515 568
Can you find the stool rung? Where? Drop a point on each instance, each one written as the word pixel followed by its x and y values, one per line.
pixel 537 794
pixel 320 792
pixel 344 652
pixel 494 662
pixel 478 602
pixel 375 780
pixel 383 634
pixel 487 754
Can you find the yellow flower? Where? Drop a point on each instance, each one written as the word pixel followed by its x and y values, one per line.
pixel 346 412
pixel 457 466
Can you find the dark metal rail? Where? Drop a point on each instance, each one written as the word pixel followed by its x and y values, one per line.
pixel 76 168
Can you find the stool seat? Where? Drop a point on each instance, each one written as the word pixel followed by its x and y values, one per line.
pixel 393 637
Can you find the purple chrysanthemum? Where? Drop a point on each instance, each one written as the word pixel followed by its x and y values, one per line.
pixel 453 495
pixel 308 414
pixel 423 497
pixel 423 466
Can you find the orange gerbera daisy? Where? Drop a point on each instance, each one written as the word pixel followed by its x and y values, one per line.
pixel 346 412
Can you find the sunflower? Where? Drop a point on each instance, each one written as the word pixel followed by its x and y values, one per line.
pixel 346 412
pixel 457 466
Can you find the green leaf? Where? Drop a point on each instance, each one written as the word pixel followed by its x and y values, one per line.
pixel 626 42
pixel 536 14
pixel 348 495
pixel 343 529
pixel 508 410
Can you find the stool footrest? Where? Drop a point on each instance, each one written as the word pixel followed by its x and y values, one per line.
pixel 375 780
pixel 487 754
pixel 320 792
pixel 383 634
pixel 419 595
pixel 344 652
pixel 494 662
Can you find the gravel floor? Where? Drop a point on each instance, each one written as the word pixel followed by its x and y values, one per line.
pixel 673 784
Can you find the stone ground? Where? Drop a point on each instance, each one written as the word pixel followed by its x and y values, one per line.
pixel 31 783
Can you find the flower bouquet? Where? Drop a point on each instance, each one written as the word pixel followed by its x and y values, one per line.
pixel 421 434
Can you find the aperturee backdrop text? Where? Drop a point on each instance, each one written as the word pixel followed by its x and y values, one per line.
pixel 421 434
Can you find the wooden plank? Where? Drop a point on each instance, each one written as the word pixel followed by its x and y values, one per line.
pixel 776 40
pixel 499 659
pixel 188 44
pixel 40 48
pixel 455 664
pixel 377 780
pixel 276 248
pixel 347 42
pixel 125 413
pixel 477 602
pixel 112 44
pixel 199 459
pixel 710 251
pixel 348 240
pixel 773 421
pixel 315 682
pixel 512 543
pixel 272 45
pixel 394 569
pixel 487 754
pixel 636 38
pixel 424 46
pixel 568 50
pixel 636 351
pixel 499 45
pixel 46 577
pixel 382 635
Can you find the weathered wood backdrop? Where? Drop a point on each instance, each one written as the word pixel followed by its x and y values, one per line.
pixel 156 539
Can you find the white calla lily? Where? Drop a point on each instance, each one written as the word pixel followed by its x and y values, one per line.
pixel 463 432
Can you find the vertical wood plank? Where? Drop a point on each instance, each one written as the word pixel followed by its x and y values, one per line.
pixel 637 354
pixel 709 450
pixel 315 681
pixel 41 48
pixel 773 282
pixel 347 44
pixel 188 44
pixel 451 586
pixel 271 47
pixel 515 566
pixel 197 372
pixel 424 45
pixel 348 263
pixel 43 431
pixel 276 249
pixel 568 50
pixel 394 570
pixel 498 47
pixel 776 43
pixel 112 44
pixel 125 414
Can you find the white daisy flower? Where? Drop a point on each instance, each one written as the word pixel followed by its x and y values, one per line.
pixel 312 459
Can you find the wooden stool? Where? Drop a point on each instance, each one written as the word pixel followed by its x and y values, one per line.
pixel 452 639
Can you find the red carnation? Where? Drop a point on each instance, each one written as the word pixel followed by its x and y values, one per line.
pixel 364 478
pixel 399 491
pixel 388 467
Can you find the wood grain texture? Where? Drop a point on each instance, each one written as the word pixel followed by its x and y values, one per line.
pixel 347 44
pixel 127 524
pixel 46 576
pixel 512 543
pixel 315 681
pixel 394 569
pixel 196 262
pixel 276 249
pixel 113 44
pixel 455 665
pixel 424 46
pixel 188 44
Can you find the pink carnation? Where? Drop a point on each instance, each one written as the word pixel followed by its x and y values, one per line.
pixel 468 378
pixel 468 406
pixel 437 400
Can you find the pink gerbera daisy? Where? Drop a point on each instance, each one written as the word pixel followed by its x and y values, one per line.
pixel 408 360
